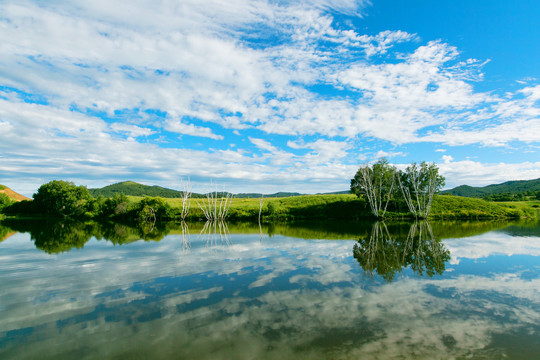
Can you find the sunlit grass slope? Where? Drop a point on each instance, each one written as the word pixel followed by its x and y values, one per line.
pixel 350 207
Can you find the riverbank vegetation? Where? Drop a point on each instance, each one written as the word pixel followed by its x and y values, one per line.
pixel 382 184
pixel 61 199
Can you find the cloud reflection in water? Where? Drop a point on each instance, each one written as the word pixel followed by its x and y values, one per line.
pixel 283 297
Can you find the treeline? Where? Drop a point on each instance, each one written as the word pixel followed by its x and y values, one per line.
pixel 509 196
pixel 62 199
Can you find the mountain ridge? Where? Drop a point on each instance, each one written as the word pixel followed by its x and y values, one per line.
pixel 513 187
pixel 133 188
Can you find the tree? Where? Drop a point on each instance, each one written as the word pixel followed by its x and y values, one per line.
pixel 116 206
pixel 377 184
pixel 418 184
pixel 5 201
pixel 61 198
pixel 150 209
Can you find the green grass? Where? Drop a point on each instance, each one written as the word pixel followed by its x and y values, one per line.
pixel 531 205
pixel 290 208
pixel 349 207
pixel 455 207
pixel 3 187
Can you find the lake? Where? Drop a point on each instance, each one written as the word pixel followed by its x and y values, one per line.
pixel 297 291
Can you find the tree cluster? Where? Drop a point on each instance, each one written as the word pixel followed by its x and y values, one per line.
pixel 63 199
pixel 382 184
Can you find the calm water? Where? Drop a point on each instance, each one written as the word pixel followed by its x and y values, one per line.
pixel 341 291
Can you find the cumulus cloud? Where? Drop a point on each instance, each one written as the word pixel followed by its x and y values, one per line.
pixel 132 130
pixel 248 67
pixel 476 173
pixel 190 129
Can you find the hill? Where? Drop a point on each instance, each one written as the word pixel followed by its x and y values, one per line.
pixel 12 194
pixel 132 188
pixel 509 187
pixel 258 195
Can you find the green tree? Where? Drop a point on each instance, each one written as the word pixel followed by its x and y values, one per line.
pixel 61 198
pixel 117 206
pixel 150 209
pixel 377 184
pixel 418 184
pixel 5 201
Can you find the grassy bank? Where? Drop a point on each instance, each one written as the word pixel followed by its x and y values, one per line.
pixel 350 207
pixel 333 207
pixel 457 207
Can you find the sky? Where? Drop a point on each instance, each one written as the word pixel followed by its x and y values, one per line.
pixel 266 95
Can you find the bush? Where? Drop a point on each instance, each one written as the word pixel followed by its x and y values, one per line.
pixel 61 198
pixel 153 208
pixel 5 201
pixel 25 207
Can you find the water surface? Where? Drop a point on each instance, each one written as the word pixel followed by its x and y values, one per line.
pixel 345 291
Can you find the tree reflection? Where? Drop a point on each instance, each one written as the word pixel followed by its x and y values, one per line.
pixel 216 233
pixel 55 237
pixel 186 238
pixel 387 253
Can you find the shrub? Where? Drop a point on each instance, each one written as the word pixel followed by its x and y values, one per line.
pixel 61 198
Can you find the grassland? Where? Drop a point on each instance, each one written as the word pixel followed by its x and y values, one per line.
pixel 349 207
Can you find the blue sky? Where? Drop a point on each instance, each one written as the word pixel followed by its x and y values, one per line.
pixel 266 95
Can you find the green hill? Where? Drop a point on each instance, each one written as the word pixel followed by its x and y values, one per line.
pixel 509 187
pixel 132 188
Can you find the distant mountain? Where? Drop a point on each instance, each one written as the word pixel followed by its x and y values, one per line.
pixel 511 187
pixel 337 193
pixel 275 195
pixel 12 194
pixel 132 188
pixel 286 194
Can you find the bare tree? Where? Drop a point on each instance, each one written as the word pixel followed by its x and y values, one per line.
pixel 216 205
pixel 186 199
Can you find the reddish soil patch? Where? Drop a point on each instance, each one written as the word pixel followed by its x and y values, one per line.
pixel 12 194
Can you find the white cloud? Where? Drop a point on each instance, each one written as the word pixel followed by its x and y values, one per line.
pixel 190 129
pixel 263 144
pixel 386 154
pixel 447 159
pixel 476 173
pixel 241 65
pixel 132 130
